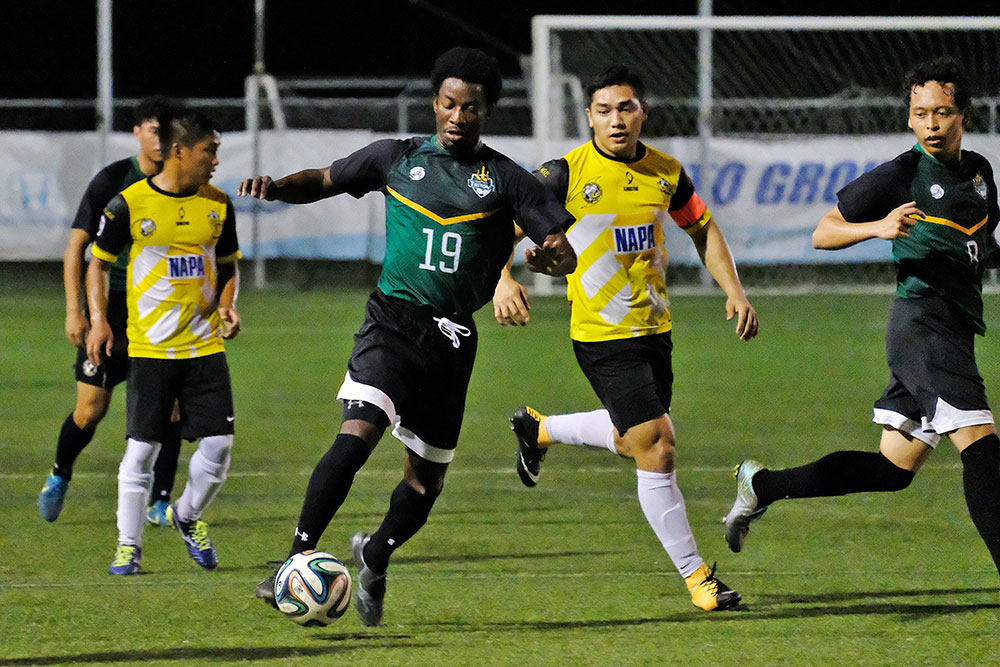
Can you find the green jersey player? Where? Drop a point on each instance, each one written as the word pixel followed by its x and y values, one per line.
pixel 938 206
pixel 451 203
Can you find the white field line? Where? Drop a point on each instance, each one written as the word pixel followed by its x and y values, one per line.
pixel 451 575
pixel 454 471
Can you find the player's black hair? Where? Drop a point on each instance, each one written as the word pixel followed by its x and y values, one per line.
pixel 154 107
pixel 471 66
pixel 943 69
pixel 616 75
pixel 186 127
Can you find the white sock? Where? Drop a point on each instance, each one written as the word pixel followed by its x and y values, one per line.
pixel 584 429
pixel 135 481
pixel 206 474
pixel 663 505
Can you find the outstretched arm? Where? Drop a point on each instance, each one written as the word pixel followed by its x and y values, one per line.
pixel 302 187
pixel 715 255
pixel 834 232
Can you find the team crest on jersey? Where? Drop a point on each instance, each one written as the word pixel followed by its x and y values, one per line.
pixel 481 182
pixel 591 193
pixel 980 185
pixel 417 173
pixel 147 227
pixel 666 187
pixel 937 191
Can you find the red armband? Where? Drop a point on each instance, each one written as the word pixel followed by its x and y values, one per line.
pixel 690 213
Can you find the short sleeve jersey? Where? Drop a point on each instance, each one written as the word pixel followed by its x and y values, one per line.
pixel 177 241
pixel 449 222
pixel 942 256
pixel 620 208
pixel 106 184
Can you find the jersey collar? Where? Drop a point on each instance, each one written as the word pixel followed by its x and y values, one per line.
pixel 640 152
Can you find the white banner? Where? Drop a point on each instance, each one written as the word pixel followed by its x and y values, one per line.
pixel 767 196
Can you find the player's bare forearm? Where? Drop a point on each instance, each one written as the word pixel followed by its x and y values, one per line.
pixel 228 284
pixel 100 337
pixel 715 255
pixel 834 232
pixel 510 300
pixel 302 187
pixel 229 287
pixel 73 283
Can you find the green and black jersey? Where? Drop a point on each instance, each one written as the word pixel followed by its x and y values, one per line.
pixel 945 251
pixel 107 183
pixel 449 222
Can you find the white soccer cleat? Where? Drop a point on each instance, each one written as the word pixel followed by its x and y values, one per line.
pixel 745 509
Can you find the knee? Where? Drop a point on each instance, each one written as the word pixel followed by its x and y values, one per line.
pixel 216 448
pixel 653 448
pixel 894 478
pixel 136 467
pixel 88 414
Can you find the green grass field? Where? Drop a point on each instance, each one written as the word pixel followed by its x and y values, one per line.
pixel 565 573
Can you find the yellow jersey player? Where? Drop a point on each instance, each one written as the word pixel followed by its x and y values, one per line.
pixel 622 195
pixel 181 291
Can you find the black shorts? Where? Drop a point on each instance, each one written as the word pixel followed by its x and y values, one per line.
pixel 200 386
pixel 114 369
pixel 633 377
pixel 934 384
pixel 415 365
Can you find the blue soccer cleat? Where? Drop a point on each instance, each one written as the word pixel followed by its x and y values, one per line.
pixel 160 514
pixel 50 500
pixel 195 534
pixel 126 561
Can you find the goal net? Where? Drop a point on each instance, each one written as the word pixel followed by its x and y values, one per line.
pixel 770 116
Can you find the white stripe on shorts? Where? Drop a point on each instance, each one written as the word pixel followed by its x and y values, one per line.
pixel 352 390
pixel 947 418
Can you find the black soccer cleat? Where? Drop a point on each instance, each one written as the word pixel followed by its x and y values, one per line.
pixel 525 423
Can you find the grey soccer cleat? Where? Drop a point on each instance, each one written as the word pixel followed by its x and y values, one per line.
pixel 369 591
pixel 745 509
pixel 265 589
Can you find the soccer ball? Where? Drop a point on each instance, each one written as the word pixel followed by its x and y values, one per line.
pixel 313 588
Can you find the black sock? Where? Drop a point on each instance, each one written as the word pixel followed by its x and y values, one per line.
pixel 408 511
pixel 835 474
pixel 328 486
pixel 165 468
pixel 981 478
pixel 72 440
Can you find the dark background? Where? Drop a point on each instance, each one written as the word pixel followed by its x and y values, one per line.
pixel 185 48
